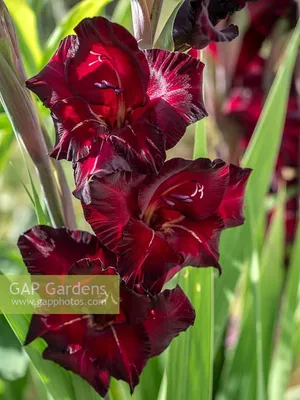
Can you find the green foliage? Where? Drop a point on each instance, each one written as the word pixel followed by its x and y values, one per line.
pixel 27 33
pixel 236 246
pixel 16 362
pixel 163 35
pixel 284 353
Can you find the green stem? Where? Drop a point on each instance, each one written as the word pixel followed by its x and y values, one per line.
pixel 21 113
pixel 64 190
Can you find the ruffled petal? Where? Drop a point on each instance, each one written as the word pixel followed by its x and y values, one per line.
pixel 77 128
pixel 175 92
pixel 112 202
pixel 172 313
pixel 122 349
pixel 142 145
pixel 101 161
pixel 195 23
pixel 197 242
pixel 144 255
pixel 49 251
pixel 133 306
pixel 50 84
pixel 78 360
pixel 59 330
pixel 231 208
pixel 205 32
pixel 104 65
pixel 195 188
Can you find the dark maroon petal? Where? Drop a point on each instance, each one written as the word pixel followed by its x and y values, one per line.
pixel 77 128
pixel 113 200
pixel 197 242
pixel 105 63
pixel 263 17
pixel 122 349
pixel 135 307
pixel 231 208
pixel 58 330
pixel 195 23
pixel 220 9
pixel 172 314
pixel 101 161
pixel 77 359
pixel 205 32
pixel 195 188
pixel 50 84
pixel 49 251
pixel 144 255
pixel 159 284
pixel 175 92
pixel 142 145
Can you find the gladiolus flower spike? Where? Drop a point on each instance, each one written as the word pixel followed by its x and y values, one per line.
pixel 116 110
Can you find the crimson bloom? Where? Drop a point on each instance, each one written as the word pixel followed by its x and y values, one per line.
pixel 115 106
pixel 160 223
pixel 263 17
pixel 244 105
pixel 196 20
pixel 100 346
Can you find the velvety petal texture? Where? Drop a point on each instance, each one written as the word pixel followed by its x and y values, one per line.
pixel 172 313
pixel 175 92
pixel 102 124
pixel 100 346
pixel 50 84
pixel 162 222
pixel 196 20
pixel 144 255
pixel 49 251
pixel 112 200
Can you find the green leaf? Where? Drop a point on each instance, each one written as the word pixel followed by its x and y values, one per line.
pixel 54 377
pixel 122 14
pixel 163 38
pixel 283 357
pixel 239 378
pixel 235 247
pixel 11 351
pixel 84 9
pixel 192 352
pixel 26 27
pixel 82 389
pixel 42 218
pixel 13 389
pixel 150 380
pixel 6 140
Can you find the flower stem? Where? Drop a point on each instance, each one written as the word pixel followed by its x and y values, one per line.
pixel 21 113
pixel 63 187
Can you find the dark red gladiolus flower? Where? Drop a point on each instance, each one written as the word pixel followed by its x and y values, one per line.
pixel 244 106
pixel 263 17
pixel 196 20
pixel 113 102
pixel 157 224
pixel 100 346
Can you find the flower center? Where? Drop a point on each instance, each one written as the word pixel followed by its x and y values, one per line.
pixel 169 208
pixel 118 90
